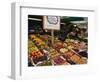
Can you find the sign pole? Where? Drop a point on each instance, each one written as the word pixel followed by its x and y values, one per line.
pixel 52 37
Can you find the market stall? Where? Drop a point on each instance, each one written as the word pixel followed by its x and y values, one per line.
pixel 70 44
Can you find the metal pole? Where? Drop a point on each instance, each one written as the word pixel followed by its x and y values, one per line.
pixel 52 35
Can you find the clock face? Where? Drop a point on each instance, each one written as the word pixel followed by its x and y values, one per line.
pixel 52 19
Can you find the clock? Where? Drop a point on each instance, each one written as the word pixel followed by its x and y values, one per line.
pixel 52 19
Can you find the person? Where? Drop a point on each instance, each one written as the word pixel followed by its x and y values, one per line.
pixel 73 33
pixel 82 35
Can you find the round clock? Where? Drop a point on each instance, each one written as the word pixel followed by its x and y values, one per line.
pixel 52 19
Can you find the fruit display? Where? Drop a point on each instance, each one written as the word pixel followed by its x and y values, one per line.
pixel 36 54
pixel 82 61
pixel 37 40
pixel 75 44
pixel 71 44
pixel 59 60
pixel 63 50
pixel 32 36
pixel 75 58
pixel 69 53
pixel 53 53
pixel 58 44
pixel 31 47
pixel 45 37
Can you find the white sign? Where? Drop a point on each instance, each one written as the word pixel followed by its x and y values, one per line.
pixel 51 22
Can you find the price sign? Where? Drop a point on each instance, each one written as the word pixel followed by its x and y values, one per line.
pixel 52 22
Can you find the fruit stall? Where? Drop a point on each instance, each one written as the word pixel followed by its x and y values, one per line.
pixel 70 43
